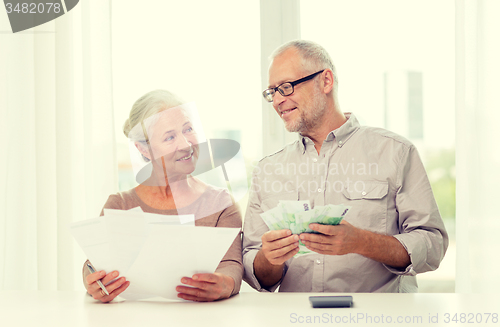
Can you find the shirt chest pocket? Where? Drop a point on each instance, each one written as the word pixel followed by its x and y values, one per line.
pixel 369 205
pixel 271 201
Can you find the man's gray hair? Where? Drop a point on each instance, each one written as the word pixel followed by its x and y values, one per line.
pixel 314 56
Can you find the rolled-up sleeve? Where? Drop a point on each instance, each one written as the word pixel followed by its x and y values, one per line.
pixel 231 263
pixel 421 229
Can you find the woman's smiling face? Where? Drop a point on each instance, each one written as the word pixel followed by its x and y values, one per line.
pixel 173 143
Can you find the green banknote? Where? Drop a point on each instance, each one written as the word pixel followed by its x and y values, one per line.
pixel 297 215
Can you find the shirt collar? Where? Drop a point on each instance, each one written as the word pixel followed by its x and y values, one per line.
pixel 341 134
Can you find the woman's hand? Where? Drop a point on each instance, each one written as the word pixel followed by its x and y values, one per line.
pixel 206 287
pixel 114 289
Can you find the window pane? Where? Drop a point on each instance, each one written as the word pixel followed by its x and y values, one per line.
pixel 197 51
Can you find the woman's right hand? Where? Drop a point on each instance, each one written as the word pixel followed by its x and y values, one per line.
pixel 114 289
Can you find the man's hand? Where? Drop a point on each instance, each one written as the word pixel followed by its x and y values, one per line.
pixel 279 245
pixel 333 240
pixel 206 287
pixel 345 238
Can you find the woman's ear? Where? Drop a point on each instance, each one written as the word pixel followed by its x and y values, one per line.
pixel 143 149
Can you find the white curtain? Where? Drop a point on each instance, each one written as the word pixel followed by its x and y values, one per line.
pixel 478 149
pixel 57 158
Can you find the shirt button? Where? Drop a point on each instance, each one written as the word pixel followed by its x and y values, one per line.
pixel 314 160
pixel 363 193
pixel 340 142
pixel 318 261
pixel 319 190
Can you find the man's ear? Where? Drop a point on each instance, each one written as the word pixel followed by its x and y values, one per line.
pixel 143 149
pixel 328 80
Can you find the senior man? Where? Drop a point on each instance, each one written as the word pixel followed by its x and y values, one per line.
pixel 393 230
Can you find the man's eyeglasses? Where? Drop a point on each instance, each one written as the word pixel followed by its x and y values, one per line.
pixel 286 88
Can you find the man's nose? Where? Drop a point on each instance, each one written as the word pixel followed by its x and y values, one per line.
pixel 278 99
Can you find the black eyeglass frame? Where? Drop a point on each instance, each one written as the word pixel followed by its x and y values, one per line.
pixel 277 88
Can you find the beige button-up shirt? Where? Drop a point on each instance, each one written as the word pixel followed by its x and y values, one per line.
pixel 381 176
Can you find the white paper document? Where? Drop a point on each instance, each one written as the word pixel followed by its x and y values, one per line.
pixel 152 251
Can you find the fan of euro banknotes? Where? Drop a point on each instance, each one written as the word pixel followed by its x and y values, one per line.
pixel 297 215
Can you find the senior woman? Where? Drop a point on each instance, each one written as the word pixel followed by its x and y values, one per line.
pixel 163 133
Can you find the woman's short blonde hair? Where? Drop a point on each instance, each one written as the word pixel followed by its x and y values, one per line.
pixel 149 104
pixel 146 106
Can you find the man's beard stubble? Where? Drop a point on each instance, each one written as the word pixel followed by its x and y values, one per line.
pixel 304 124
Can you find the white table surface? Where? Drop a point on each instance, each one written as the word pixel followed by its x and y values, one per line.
pixel 58 308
